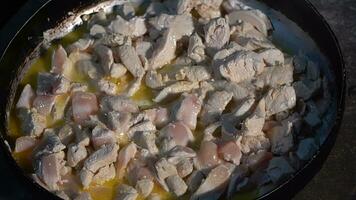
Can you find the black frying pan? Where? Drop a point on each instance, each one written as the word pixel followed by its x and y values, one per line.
pixel 25 45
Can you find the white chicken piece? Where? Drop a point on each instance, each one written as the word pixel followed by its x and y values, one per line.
pixel 280 99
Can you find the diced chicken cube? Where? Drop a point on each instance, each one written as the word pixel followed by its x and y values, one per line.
pixel 144 187
pixel 196 48
pixel 179 132
pixel 146 140
pixel 215 106
pixel 280 99
pixel 32 123
pixel 126 192
pixel 217 34
pixel 176 185
pixel 118 103
pixel 75 154
pixel 104 174
pixel 188 109
pixel 25 143
pixel 230 151
pixel 176 88
pixel 101 136
pixel 131 60
pixel 214 185
pixel 241 66
pixel 84 104
pixel 124 157
pixel 26 98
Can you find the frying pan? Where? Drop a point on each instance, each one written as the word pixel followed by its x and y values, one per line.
pixel 298 26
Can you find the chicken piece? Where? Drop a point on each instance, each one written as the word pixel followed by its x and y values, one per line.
pixel 144 126
pixel 241 66
pixel 196 73
pixel 104 174
pixel 59 60
pixel 138 171
pixel 196 48
pixel 187 110
pixel 180 25
pixel 143 48
pixel 164 52
pixel 125 155
pixel 89 68
pixel 208 155
pixel 25 143
pixel 159 116
pixel 118 103
pixel 252 44
pixel 239 91
pixel 272 57
pixel 279 169
pixel 179 132
pixel 184 167
pixel 131 60
pixel 106 57
pixel 44 104
pixel 32 123
pixel 133 28
pixel 180 152
pixel 101 136
pixel 50 84
pixel 258 160
pixel 146 140
pixel 274 76
pixel 230 151
pixel 184 6
pixel 26 98
pixel 49 170
pixel 164 169
pixel 84 104
pixel 299 64
pixel 176 88
pixel 154 80
pixel 281 138
pixel 215 106
pixel 117 70
pixel 126 192
pixel 176 185
pixel 166 144
pixel 80 45
pixel 127 11
pixel 214 185
pixel 208 9
pixel 100 158
pixel 49 144
pixel 144 187
pixel 254 143
pixel 253 16
pixel 75 154
pixel 97 31
pixel 253 124
pixel 134 87
pixel 119 122
pixel 107 87
pixel 280 99
pixel 217 34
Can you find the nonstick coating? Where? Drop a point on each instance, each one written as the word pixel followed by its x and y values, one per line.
pixel 28 39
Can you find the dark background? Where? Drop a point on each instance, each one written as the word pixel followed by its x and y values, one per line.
pixel 337 178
